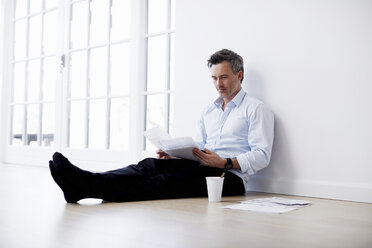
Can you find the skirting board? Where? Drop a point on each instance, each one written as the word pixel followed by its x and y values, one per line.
pixel 336 191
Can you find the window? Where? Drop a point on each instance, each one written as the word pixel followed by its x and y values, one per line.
pixel 160 70
pixel 34 74
pixel 88 77
pixel 98 68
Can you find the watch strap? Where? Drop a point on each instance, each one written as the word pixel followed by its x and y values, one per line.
pixel 228 165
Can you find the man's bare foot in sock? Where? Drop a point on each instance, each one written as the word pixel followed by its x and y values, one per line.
pixel 73 181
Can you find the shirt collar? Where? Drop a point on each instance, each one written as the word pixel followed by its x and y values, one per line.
pixel 236 100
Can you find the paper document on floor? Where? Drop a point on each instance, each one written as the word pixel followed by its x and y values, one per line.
pixel 269 205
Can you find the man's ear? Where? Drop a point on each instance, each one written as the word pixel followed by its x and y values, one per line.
pixel 240 75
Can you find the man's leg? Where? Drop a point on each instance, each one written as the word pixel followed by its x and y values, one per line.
pixel 149 179
pixel 78 184
pixel 153 179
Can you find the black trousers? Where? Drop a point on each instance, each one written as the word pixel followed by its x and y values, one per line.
pixel 153 179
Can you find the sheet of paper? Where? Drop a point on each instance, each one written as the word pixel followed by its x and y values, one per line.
pixel 261 208
pixel 279 200
pixel 270 205
pixel 185 152
pixel 176 147
pixel 177 143
pixel 156 135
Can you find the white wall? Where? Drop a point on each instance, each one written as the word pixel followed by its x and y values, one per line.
pixel 311 63
pixel 1 79
pixel 3 89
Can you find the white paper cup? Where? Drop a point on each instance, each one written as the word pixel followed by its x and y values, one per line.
pixel 214 186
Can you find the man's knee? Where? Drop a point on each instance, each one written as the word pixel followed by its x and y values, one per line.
pixel 147 164
pixel 148 161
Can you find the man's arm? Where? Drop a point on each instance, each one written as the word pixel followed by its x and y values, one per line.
pixel 201 135
pixel 260 140
pixel 212 159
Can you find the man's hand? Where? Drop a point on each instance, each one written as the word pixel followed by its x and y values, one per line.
pixel 209 158
pixel 162 155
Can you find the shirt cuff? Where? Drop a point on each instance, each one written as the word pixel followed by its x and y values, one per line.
pixel 245 167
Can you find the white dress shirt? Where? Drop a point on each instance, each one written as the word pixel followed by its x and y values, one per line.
pixel 245 130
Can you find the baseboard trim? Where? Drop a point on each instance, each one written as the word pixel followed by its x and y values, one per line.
pixel 318 189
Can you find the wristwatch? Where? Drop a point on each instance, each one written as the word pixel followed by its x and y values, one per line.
pixel 228 165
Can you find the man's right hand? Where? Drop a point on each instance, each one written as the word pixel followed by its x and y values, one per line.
pixel 162 155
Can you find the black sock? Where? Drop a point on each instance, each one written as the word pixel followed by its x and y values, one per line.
pixel 65 167
pixel 73 181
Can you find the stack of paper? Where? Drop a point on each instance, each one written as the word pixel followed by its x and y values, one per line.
pixel 270 205
pixel 176 147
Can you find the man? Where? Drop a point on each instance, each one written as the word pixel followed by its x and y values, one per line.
pixel 235 136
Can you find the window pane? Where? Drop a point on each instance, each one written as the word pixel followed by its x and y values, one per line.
pixel 171 113
pixel 156 64
pixel 33 80
pixel 50 4
pixel 78 74
pixel 49 79
pixel 32 124
pixel 157 15
pixel 35 36
pixel 155 114
pixel 50 32
pixel 19 82
pixel 17 124
pixel 36 5
pixel 98 72
pixel 173 14
pixel 119 124
pixel 79 25
pixel 120 68
pixel 172 61
pixel 77 127
pixel 121 19
pixel 20 39
pixel 99 22
pixel 48 124
pixel 21 8
pixel 97 124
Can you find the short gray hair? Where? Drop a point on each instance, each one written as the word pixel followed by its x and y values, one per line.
pixel 235 60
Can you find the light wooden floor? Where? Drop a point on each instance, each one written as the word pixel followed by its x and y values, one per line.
pixel 33 213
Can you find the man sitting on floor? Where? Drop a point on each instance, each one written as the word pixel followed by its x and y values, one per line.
pixel 235 133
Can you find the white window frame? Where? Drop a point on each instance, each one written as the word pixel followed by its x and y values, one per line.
pixel 168 91
pixel 100 159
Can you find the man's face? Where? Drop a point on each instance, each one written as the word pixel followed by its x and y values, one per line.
pixel 226 82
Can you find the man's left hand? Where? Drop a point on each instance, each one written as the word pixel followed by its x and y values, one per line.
pixel 209 158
